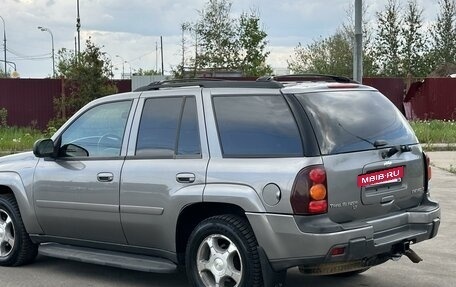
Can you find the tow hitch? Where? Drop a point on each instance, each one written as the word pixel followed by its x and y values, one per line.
pixel 404 249
pixel 415 258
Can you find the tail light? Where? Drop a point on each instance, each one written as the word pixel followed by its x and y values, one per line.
pixel 310 194
pixel 428 167
pixel 427 170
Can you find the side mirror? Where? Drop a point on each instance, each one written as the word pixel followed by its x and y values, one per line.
pixel 72 150
pixel 43 148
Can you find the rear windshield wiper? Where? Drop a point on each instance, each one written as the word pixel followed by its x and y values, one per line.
pixel 376 144
pixel 393 150
pixel 379 143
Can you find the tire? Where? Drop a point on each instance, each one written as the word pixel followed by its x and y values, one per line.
pixel 226 249
pixel 16 248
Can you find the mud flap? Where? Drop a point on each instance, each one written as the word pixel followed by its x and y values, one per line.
pixel 271 278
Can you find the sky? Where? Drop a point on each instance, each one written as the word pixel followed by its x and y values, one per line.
pixel 129 31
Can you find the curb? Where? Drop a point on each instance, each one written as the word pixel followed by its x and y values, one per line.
pixel 439 146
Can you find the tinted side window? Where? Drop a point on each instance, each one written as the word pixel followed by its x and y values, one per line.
pixel 99 131
pixel 189 140
pixel 168 127
pixel 257 126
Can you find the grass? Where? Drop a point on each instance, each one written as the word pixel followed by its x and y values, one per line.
pixel 14 139
pixel 435 131
pixel 452 169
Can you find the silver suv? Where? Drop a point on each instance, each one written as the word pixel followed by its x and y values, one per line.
pixel 237 181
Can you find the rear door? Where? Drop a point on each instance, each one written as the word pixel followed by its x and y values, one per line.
pixel 165 168
pixel 372 158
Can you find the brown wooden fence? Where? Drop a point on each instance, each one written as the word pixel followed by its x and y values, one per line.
pixel 30 101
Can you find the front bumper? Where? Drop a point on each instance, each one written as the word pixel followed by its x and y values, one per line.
pixel 290 241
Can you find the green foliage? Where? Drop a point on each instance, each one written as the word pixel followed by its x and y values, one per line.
pixel 3 117
pixel 334 54
pixel 435 131
pixel 217 44
pixel 253 44
pixel 331 55
pixel 142 72
pixel 222 42
pixel 86 78
pixel 369 66
pixel 413 61
pixel 14 139
pixel 443 34
pixel 388 42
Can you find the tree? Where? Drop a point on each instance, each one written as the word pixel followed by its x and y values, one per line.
pixel 334 54
pixel 253 44
pixel 414 46
pixel 216 31
pixel 86 77
pixel 331 55
pixel 443 34
pixel 369 66
pixel 142 72
pixel 223 42
pixel 387 42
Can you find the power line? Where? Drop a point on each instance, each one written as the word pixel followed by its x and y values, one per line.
pixel 20 56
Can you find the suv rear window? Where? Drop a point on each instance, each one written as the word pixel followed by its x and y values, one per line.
pixel 257 126
pixel 346 121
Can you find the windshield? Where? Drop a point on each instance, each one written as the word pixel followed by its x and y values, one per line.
pixel 347 121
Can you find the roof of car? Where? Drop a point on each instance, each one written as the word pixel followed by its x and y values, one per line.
pixel 210 83
pixel 288 83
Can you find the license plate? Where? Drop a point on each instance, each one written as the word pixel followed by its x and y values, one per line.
pixel 390 175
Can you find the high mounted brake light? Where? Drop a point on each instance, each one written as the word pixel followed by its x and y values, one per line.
pixel 309 195
pixel 342 86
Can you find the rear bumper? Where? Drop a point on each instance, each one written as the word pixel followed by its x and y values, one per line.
pixel 290 241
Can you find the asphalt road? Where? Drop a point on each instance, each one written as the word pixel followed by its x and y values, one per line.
pixel 437 269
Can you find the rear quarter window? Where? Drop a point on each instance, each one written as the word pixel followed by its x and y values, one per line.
pixel 352 120
pixel 256 126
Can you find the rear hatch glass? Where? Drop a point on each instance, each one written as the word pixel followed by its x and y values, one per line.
pixel 362 183
pixel 352 120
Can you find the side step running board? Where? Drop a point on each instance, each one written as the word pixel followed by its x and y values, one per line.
pixel 108 258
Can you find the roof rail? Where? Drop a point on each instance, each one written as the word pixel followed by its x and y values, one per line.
pixel 306 78
pixel 209 83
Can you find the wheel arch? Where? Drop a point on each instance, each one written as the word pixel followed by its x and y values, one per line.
pixel 218 199
pixel 193 214
pixel 11 183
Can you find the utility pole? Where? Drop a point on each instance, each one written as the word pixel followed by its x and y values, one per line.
pixel 161 47
pixel 78 28
pixel 4 45
pixel 358 48
pixel 156 56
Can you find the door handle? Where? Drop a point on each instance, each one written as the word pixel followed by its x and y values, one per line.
pixel 105 177
pixel 185 177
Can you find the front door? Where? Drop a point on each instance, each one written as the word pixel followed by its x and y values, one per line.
pixel 77 194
